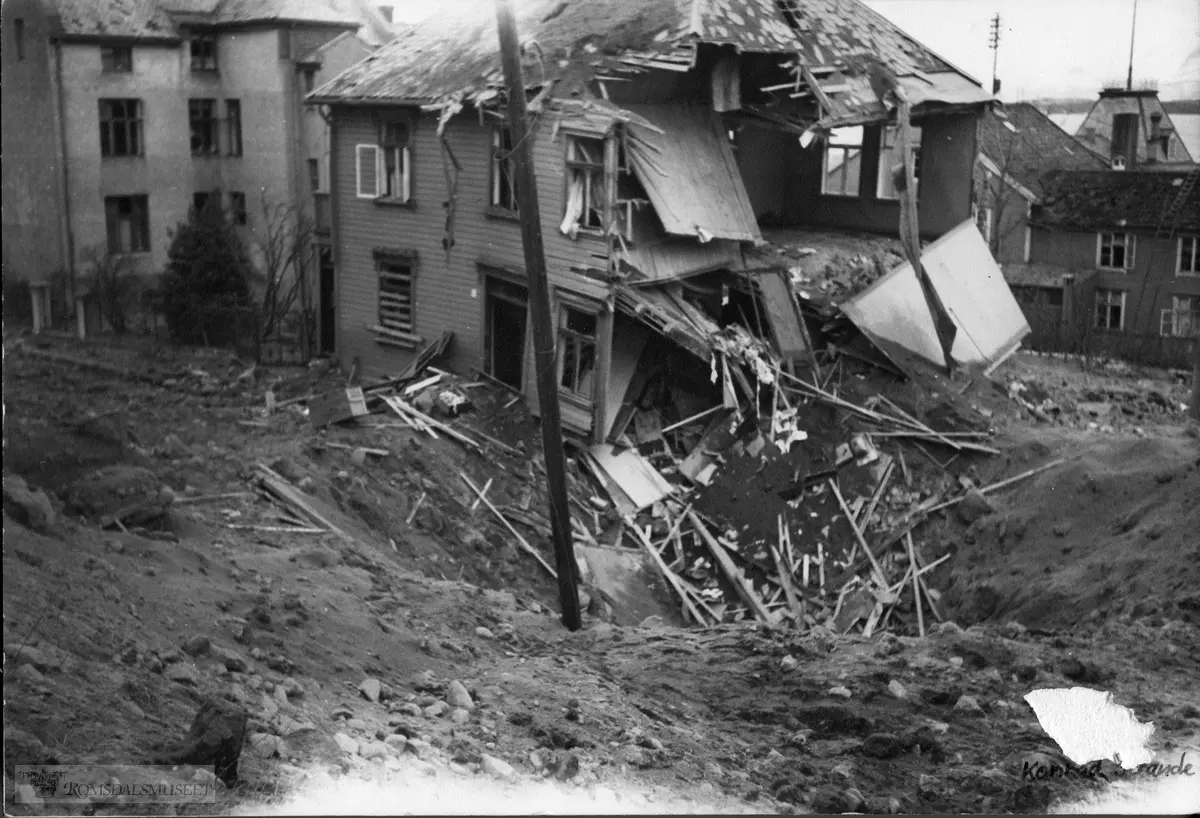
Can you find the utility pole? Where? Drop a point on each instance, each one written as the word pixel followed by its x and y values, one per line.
pixel 1132 30
pixel 994 45
pixel 543 326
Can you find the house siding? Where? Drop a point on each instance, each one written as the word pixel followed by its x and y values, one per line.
pixel 448 285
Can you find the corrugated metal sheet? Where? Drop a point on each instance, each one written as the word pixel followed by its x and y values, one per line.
pixel 690 174
pixel 676 259
pixel 455 51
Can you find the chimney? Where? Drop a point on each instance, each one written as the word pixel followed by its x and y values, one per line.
pixel 387 12
pixel 1155 142
pixel 1124 141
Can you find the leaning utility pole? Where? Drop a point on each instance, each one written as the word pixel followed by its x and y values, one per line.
pixel 543 326
pixel 994 45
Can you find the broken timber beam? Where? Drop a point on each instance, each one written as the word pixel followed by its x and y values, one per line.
pixel 666 572
pixel 521 541
pixel 740 583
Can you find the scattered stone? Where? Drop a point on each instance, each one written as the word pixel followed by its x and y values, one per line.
pixel 956 661
pixel 460 715
pixel 1013 630
pixel 408 709
pixel 437 709
pixel 21 747
pixel 838 690
pixel 197 646
pixel 484 632
pixel 397 742
pixel 831 800
pixel 973 506
pixel 29 507
pixel 882 745
pixel 928 786
pixel 182 673
pixel 897 689
pixel 265 745
pixel 386 693
pixel 457 695
pixel 347 744
pixel 233 662
pixel 947 628
pixel 788 663
pixel 215 738
pixel 44 660
pixel 418 747
pixel 373 749
pixel 370 689
pixel 968 704
pixel 425 680
pixel 497 768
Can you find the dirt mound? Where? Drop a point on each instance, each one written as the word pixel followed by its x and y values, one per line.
pixel 1114 530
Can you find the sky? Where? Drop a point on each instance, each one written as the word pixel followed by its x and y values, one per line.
pixel 1047 47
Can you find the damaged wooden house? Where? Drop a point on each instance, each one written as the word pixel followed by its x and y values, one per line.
pixel 676 141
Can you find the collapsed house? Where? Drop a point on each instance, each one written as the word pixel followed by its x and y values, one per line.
pixel 663 147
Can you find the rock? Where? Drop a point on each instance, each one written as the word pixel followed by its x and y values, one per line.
pixel 497 768
pixel 788 663
pixel 947 628
pixel 345 743
pixel 370 689
pixel 840 691
pixel 265 745
pixel 929 786
pixel 183 673
pixel 425 680
pixel 1013 630
pixel 968 704
pixel 295 690
pixel 831 800
pixel 386 693
pixel 418 747
pixel 233 662
pixel 955 662
pixel 484 632
pixel 458 696
pixel 437 709
pixel 397 742
pixel 882 745
pixel 373 749
pixel 408 709
pixel 197 646
pixel 29 507
pixel 567 767
pixel 23 748
pixel 898 690
pixel 973 506
pixel 460 715
pixel 131 493
pixel 46 661
pixel 28 673
pixel 214 739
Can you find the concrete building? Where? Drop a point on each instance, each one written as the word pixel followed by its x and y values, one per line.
pixel 119 116
pixel 662 141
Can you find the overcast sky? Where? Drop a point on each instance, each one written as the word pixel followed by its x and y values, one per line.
pixel 1047 47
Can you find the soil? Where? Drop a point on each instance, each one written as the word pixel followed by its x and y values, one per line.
pixel 1084 574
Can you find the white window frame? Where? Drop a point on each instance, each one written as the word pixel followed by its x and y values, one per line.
pixel 1129 245
pixel 849 153
pixel 1194 260
pixel 1106 294
pixel 1182 318
pixel 888 137
pixel 360 151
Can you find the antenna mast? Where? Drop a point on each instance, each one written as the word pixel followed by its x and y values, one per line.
pixel 1132 31
pixel 994 45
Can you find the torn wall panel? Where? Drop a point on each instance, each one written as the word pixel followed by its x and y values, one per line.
pixel 784 316
pixel 892 311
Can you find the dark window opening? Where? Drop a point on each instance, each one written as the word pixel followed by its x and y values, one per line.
pixel 19 33
pixel 233 127
pixel 504 169
pixel 314 175
pixel 310 81
pixel 395 295
pixel 200 201
pixel 203 49
pixel 393 141
pixel 128 221
pixel 116 59
pixel 237 207
pixel 585 182
pixel 202 120
pixel 120 127
pixel 577 351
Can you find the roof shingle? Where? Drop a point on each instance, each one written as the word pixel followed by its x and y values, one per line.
pixel 1032 146
pixel 1119 199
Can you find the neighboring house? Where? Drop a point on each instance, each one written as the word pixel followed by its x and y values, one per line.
pixel 1131 127
pixel 119 116
pixel 1114 264
pixel 1018 145
pixel 663 134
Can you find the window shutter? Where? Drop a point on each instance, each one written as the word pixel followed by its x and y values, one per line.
pixel 367 170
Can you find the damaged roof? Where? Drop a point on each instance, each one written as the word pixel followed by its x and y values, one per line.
pixel 139 19
pixel 455 52
pixel 1119 199
pixel 160 19
pixel 1024 144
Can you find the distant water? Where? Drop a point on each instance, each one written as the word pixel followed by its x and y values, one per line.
pixel 1188 126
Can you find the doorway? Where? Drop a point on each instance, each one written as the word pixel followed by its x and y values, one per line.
pixel 327 306
pixel 507 317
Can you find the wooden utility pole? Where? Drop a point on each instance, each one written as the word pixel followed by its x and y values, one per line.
pixel 543 326
pixel 1196 383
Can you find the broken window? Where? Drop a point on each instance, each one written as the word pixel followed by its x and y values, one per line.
pixel 203 48
pixel 504 169
pixel 1110 310
pixel 585 184
pixel 1182 319
pixel 233 127
pixel 128 221
pixel 1116 251
pixel 889 158
pixel 366 170
pixel 314 175
pixel 200 201
pixel 395 172
pixel 576 351
pixel 237 207
pixel 116 59
pixel 395 295
pixel 202 120
pixel 843 162
pixel 1189 257
pixel 120 127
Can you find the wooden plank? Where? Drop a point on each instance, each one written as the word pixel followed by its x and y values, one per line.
pixel 785 575
pixel 996 486
pixel 665 571
pixel 208 498
pixel 916 583
pixel 281 488
pixel 640 481
pixel 521 542
pixel 740 584
pixel 858 535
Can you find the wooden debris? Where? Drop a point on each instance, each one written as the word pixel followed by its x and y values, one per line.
pixel 666 572
pixel 916 584
pixel 416 507
pixel 482 494
pixel 525 546
pixel 858 535
pixel 740 583
pixel 208 498
pixel 279 529
pixel 297 500
pixel 1002 484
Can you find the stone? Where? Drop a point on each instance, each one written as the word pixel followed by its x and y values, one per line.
pixel 345 743
pixel 437 709
pixel 46 661
pixel 214 739
pixel 133 492
pixel 408 709
pixel 929 786
pixel 497 768
pixel 956 662
pixel 968 704
pixel 457 695
pixel 484 632
pixel 840 691
pixel 973 506
pixel 460 715
pixel 788 663
pixel 831 800
pixel 897 689
pixel 21 747
pixel 1013 630
pixel 882 745
pixel 373 749
pixel 28 673
pixel 197 646
pixel 396 741
pixel 29 507
pixel 370 689
pixel 265 745
pixel 183 673
pixel 425 680
pixel 947 628
pixel 233 662
pixel 418 747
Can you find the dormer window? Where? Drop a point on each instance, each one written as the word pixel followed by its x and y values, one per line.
pixel 203 49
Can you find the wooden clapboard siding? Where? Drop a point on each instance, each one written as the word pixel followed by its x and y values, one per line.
pixel 447 289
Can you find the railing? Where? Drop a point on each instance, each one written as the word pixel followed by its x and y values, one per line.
pixel 322 212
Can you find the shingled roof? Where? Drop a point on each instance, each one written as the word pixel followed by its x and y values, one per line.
pixel 1129 200
pixel 137 19
pixel 455 51
pixel 156 19
pixel 1025 144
